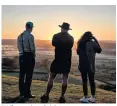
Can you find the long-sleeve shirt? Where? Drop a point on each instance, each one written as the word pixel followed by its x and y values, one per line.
pixel 92 48
pixel 25 43
pixel 87 55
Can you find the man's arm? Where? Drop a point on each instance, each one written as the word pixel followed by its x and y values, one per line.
pixel 19 45
pixel 72 42
pixel 54 41
pixel 69 43
pixel 32 44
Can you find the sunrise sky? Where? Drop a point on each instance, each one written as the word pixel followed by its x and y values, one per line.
pixel 101 20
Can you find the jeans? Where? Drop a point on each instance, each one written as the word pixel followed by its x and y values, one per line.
pixel 27 63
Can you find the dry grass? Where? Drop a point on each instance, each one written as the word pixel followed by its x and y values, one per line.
pixel 73 94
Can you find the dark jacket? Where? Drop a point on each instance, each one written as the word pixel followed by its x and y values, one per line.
pixel 63 43
pixel 87 55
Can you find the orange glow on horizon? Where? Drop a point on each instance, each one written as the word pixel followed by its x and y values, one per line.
pixel 46 23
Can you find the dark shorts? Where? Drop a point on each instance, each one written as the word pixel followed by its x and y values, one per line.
pixel 60 67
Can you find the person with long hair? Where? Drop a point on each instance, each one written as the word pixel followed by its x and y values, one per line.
pixel 87 47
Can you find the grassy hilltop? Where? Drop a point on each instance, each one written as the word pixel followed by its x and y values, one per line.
pixel 73 94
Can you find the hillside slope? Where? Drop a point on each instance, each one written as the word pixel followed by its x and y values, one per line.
pixel 73 94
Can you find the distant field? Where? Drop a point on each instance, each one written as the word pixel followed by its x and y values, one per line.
pixel 105 62
pixel 47 43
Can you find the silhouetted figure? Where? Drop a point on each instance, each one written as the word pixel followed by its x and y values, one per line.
pixel 26 47
pixel 63 43
pixel 87 48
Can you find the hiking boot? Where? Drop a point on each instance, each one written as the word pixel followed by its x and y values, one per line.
pixel 92 99
pixel 84 100
pixel 61 100
pixel 44 99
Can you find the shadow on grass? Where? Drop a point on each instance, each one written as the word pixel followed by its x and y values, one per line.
pixel 17 99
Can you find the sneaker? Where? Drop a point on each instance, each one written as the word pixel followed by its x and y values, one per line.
pixel 61 100
pixel 84 100
pixel 92 99
pixel 44 99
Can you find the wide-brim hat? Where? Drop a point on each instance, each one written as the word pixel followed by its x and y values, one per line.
pixel 65 26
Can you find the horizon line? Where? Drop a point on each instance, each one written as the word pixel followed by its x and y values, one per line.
pixel 50 40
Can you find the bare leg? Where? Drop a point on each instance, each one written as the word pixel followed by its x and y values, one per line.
pixel 64 84
pixel 50 83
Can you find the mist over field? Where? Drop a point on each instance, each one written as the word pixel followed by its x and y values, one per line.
pixel 105 64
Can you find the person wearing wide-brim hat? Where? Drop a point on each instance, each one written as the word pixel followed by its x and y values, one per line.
pixel 63 43
pixel 65 26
